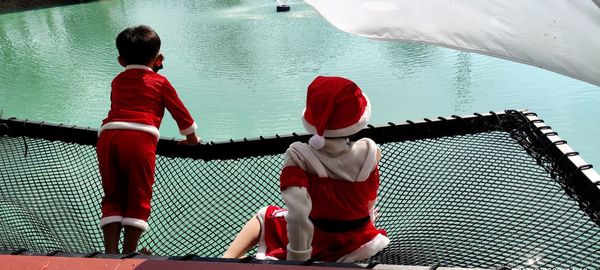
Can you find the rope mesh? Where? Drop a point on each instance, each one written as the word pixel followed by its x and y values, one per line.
pixel 469 200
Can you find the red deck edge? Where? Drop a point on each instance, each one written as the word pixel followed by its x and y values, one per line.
pixel 21 262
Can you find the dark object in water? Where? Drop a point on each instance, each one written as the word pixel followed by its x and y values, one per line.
pixel 283 8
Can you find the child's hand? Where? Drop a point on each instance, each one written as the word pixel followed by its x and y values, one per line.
pixel 191 139
pixel 375 214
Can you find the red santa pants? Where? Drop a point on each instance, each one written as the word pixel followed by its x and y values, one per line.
pixel 360 243
pixel 126 160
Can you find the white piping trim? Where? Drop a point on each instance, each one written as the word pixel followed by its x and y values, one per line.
pixel 298 255
pixel 342 132
pixel 370 161
pixel 261 249
pixel 128 67
pixel 135 222
pixel 110 219
pixel 189 130
pixel 130 126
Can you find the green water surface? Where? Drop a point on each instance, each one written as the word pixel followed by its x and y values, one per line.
pixel 242 70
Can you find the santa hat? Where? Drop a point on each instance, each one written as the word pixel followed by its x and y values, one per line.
pixel 335 107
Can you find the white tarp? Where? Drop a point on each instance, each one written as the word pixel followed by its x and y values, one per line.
pixel 558 35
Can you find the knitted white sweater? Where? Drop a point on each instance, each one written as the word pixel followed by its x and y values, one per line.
pixel 338 159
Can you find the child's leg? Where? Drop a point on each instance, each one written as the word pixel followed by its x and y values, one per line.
pixel 131 238
pixel 114 192
pixel 112 233
pixel 245 240
pixel 138 159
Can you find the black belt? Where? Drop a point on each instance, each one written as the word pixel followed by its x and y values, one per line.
pixel 330 225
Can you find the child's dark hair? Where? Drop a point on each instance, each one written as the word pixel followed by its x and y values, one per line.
pixel 138 45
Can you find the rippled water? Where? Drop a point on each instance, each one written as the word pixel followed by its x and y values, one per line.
pixel 242 70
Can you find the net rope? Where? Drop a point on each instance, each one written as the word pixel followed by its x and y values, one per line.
pixel 483 199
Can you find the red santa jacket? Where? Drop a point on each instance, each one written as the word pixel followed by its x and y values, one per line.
pixel 139 97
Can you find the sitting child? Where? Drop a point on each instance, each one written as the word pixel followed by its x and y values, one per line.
pixel 328 185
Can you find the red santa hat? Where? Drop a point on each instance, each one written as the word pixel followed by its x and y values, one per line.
pixel 335 107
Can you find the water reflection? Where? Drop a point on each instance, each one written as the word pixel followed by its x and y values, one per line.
pixel 222 3
pixel 52 67
pixel 242 69
pixel 409 60
pixel 462 83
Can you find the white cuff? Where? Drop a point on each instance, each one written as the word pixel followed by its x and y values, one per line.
pixel 189 130
pixel 134 222
pixel 110 219
pixel 298 255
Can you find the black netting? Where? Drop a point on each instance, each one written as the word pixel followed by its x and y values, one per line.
pixel 481 199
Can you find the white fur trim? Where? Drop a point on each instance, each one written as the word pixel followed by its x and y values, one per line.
pixel 378 243
pixel 317 142
pixel 130 126
pixel 342 132
pixel 138 67
pixel 370 161
pixel 134 222
pixel 298 255
pixel 110 219
pixel 261 249
pixel 189 130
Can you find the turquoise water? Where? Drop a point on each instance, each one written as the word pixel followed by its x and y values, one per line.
pixel 242 70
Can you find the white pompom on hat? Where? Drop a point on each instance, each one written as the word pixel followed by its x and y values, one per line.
pixel 335 107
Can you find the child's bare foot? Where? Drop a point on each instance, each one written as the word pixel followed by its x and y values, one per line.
pixel 145 251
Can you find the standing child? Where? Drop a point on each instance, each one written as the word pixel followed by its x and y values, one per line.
pixel 328 185
pixel 128 137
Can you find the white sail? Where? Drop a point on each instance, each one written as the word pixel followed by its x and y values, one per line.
pixel 558 35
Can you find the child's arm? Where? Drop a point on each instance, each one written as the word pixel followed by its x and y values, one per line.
pixel 373 211
pixel 299 227
pixel 186 124
pixel 293 182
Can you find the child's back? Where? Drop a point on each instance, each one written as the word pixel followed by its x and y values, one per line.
pixel 329 186
pixel 140 95
pixel 128 137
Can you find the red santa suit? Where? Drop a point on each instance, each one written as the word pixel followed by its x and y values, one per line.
pixel 329 186
pixel 330 194
pixel 127 142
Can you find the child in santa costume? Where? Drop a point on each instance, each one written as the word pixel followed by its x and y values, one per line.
pixel 328 185
pixel 128 137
